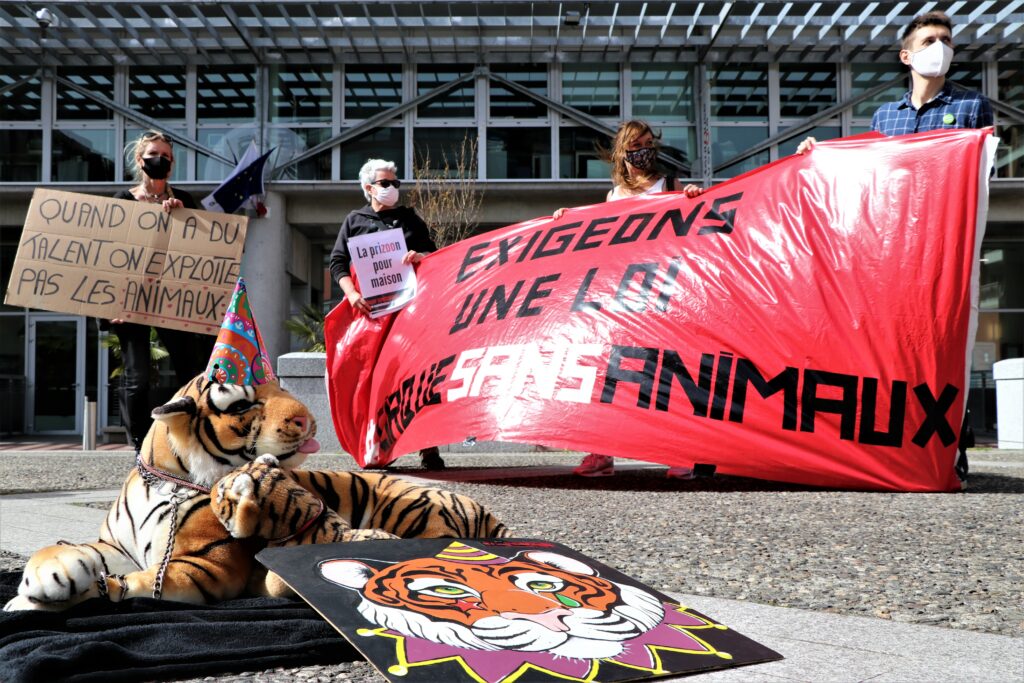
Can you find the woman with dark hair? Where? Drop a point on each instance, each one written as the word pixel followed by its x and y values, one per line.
pixel 634 161
pixel 151 158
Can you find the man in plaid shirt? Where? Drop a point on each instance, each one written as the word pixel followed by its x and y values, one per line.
pixel 932 104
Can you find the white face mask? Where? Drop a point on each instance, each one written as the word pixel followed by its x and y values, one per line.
pixel 387 196
pixel 933 60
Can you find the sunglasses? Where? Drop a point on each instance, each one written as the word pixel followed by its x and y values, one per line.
pixel 387 182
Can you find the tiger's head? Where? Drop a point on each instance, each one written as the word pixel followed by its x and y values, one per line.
pixel 539 601
pixel 209 429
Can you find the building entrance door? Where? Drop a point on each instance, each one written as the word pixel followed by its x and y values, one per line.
pixel 56 374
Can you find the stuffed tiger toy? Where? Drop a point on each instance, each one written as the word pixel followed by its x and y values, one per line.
pixel 161 537
pixel 260 499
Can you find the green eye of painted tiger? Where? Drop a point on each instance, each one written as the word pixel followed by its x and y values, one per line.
pixel 541 585
pixel 448 590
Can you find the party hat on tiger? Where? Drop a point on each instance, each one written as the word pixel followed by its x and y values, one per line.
pixel 239 356
pixel 465 554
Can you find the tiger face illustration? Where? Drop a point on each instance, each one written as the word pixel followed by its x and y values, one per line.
pixel 536 602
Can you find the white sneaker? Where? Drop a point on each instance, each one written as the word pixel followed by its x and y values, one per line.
pixel 680 473
pixel 596 465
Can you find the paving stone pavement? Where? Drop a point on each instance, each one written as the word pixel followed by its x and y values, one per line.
pixel 848 586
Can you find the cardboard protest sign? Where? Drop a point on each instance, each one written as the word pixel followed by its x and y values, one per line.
pixel 384 281
pixel 810 321
pixel 486 610
pixel 115 258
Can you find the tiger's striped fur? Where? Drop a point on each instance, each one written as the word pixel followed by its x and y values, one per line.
pixel 204 432
pixel 260 499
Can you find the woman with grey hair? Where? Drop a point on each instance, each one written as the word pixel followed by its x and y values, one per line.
pixel 378 179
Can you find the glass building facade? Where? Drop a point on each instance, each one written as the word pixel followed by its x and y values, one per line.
pixel 545 144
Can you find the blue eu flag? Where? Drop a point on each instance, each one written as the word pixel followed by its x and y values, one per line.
pixel 245 181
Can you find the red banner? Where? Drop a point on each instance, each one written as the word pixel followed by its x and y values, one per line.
pixel 808 322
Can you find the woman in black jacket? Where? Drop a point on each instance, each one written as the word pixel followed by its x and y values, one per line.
pixel 379 182
pixel 152 160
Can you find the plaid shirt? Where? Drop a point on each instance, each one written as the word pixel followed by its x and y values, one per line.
pixel 951 108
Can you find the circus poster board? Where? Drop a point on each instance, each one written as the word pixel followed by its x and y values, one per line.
pixel 118 258
pixel 503 610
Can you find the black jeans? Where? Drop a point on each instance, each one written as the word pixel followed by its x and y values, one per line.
pixel 189 353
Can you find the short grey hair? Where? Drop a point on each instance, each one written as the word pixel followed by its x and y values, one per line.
pixel 368 173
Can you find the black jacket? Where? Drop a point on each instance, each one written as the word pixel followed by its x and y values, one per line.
pixel 365 221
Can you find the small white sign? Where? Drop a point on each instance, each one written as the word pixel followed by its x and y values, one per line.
pixel 384 281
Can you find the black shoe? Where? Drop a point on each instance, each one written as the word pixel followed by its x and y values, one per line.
pixel 962 468
pixel 431 459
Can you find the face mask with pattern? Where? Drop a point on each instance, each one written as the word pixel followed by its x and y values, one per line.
pixel 642 159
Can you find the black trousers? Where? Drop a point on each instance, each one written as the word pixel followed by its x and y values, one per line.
pixel 189 353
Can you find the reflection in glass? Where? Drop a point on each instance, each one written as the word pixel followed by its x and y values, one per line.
pixel 226 94
pixel 157 92
pixel 179 171
pixel 383 143
pixel 12 345
pixel 1001 284
pixel 83 155
pixel 72 104
pixel 291 142
pixel 518 153
pixel 300 93
pixel 12 373
pixel 21 156
pixel 806 89
pixel 578 155
pixel 21 103
pixel 866 76
pixel 662 91
pixel 1011 84
pixel 819 133
pixel 228 142
pixel 680 143
pixel 1004 330
pixel 56 357
pixel 1010 153
pixel 729 141
pixel 1010 157
pixel 591 88
pixel 369 90
pixel 456 103
pixel 739 92
pixel 508 104
pixel 445 150
pixel 10 236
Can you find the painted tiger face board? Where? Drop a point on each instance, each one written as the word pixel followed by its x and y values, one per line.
pixel 503 610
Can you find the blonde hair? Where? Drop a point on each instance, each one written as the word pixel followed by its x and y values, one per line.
pixel 628 131
pixel 133 152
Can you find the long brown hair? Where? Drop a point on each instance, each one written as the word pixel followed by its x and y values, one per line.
pixel 627 132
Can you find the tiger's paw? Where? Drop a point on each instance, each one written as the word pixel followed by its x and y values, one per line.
pixel 57 577
pixel 370 535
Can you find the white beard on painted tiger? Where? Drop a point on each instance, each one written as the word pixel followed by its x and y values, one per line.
pixel 162 538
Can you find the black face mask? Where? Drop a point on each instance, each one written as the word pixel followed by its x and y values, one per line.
pixel 156 168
